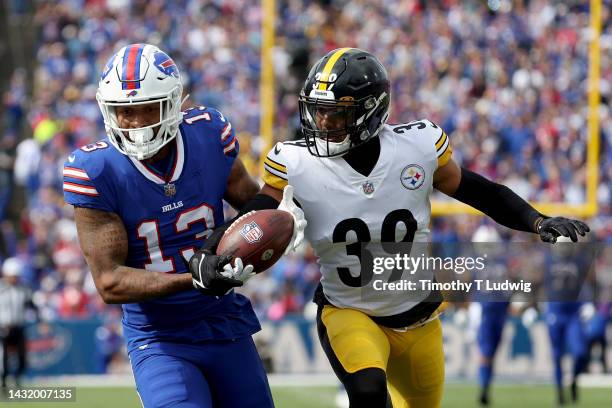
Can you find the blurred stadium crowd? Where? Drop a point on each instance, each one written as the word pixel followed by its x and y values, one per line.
pixel 507 82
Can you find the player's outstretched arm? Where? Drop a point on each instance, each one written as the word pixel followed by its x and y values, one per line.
pixel 104 243
pixel 502 204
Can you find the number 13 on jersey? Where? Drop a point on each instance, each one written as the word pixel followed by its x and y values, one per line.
pixel 149 232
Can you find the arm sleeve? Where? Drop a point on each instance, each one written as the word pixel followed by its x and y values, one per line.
pixel 497 201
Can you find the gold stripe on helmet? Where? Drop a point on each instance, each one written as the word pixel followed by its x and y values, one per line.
pixel 329 66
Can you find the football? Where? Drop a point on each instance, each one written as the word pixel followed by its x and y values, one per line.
pixel 259 238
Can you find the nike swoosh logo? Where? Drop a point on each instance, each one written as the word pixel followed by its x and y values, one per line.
pixel 71 158
pixel 276 149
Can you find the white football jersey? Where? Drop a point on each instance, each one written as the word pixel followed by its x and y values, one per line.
pixel 345 208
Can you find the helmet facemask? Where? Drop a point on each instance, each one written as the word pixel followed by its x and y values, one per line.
pixel 333 127
pixel 144 142
pixel 136 75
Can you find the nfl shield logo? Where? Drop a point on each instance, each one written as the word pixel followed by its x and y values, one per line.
pixel 169 190
pixel 251 232
pixel 368 187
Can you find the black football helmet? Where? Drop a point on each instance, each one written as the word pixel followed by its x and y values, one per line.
pixel 344 101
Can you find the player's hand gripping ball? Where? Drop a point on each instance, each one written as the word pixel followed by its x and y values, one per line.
pixel 258 238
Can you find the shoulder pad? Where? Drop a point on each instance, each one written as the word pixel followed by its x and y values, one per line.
pixel 275 167
pixel 90 158
pixel 83 180
pixel 213 123
pixel 424 128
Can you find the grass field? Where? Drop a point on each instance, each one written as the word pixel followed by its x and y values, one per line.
pixel 523 396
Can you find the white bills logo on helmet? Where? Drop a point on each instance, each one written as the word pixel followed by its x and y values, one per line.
pixel 251 232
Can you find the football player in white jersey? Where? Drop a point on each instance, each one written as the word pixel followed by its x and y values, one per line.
pixel 360 180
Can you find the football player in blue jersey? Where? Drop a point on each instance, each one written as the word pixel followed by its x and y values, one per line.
pixel 565 276
pixel 145 198
pixel 493 306
pixel 596 330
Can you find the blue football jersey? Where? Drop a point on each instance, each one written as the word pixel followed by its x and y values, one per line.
pixel 565 280
pixel 166 218
pixel 496 272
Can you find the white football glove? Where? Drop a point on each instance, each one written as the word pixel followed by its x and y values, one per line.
pixel 299 222
pixel 239 271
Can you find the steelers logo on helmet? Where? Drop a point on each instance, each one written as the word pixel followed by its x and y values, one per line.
pixel 344 102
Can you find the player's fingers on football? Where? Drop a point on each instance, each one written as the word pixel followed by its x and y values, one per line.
pixel 247 273
pixel 572 233
pixel 227 271
pixel 551 239
pixel 581 227
pixel 231 281
pixel 547 237
pixel 567 230
pixel 224 260
pixel 560 229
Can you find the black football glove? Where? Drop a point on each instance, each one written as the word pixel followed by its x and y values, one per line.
pixel 206 268
pixel 552 228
